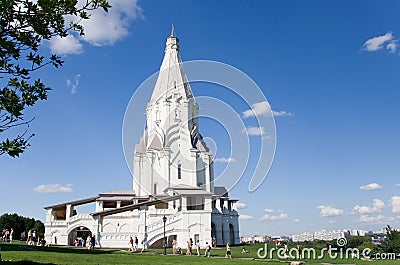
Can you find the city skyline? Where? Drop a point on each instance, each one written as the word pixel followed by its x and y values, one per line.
pixel 329 70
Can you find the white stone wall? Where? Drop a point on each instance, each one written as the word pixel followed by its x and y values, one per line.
pixel 115 230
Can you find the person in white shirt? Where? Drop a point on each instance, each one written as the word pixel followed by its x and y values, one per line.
pixel 208 250
pixel 198 247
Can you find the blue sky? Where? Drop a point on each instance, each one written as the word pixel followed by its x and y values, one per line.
pixel 320 61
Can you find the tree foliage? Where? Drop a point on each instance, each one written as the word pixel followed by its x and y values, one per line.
pixel 25 24
pixel 391 244
pixel 20 223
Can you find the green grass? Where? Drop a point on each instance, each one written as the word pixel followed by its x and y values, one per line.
pixel 22 254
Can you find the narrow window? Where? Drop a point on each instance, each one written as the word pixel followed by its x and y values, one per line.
pixel 179 171
pixel 155 189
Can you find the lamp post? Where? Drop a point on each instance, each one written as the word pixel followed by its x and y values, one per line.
pixel 165 239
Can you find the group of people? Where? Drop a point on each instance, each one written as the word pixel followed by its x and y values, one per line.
pixel 32 239
pixel 189 248
pixel 134 247
pixel 6 235
pixel 89 243
pixel 133 244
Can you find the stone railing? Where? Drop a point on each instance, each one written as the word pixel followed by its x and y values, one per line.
pixel 80 217
pixel 160 224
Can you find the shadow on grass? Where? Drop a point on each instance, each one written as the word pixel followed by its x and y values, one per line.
pixel 59 249
pixel 23 262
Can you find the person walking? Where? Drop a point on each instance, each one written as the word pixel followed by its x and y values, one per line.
pixel 88 241
pixel 174 246
pixel 136 246
pixel 92 242
pixel 6 235
pixel 228 251
pixel 130 244
pixel 208 250
pixel 144 244
pixel 198 247
pixel 29 236
pixel 188 248
pixel 11 234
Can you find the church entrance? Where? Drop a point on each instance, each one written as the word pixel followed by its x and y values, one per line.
pixel 78 236
pixel 231 234
pixel 213 232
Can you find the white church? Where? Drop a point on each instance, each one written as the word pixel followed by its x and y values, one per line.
pixel 173 178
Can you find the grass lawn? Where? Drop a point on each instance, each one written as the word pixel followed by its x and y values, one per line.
pixel 22 254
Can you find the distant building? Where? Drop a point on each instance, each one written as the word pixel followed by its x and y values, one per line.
pixel 254 239
pixel 319 235
pixel 306 236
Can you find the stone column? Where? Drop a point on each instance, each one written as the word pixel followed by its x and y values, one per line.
pixel 49 215
pixel 184 203
pixel 208 204
pixel 68 212
pixel 206 159
pixel 218 204
pixel 99 206
pixel 192 174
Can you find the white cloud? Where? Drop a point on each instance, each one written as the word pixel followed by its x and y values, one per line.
pixel 263 109
pixel 398 184
pixel 102 28
pixel 245 217
pixel 296 220
pixel 73 85
pixel 50 188
pixel 269 210
pixel 392 47
pixel 395 203
pixel 281 113
pixel 372 219
pixel 377 43
pixel 240 205
pixel 224 160
pixel 376 206
pixel 371 186
pixel 255 130
pixel 66 45
pixel 274 217
pixel 327 211
pixel 393 218
pixel 107 28
pixel 258 109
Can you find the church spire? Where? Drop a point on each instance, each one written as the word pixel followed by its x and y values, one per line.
pixel 172 78
pixel 172 31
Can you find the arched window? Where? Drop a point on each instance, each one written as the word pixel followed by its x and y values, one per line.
pixel 232 234
pixel 179 171
pixel 157 116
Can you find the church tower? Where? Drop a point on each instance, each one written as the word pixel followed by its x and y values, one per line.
pixel 174 197
pixel 171 151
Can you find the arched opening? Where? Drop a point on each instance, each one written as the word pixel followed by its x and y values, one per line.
pixel 231 234
pixel 171 238
pixel 222 232
pixel 213 232
pixel 78 235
